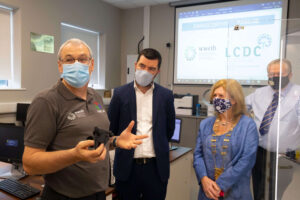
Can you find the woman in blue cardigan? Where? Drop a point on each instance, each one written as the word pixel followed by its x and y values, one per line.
pixel 226 146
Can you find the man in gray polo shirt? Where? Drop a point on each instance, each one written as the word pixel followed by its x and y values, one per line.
pixel 59 121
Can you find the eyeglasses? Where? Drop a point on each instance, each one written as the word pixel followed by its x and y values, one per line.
pixel 276 74
pixel 71 60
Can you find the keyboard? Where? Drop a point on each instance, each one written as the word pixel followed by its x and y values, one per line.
pixel 18 189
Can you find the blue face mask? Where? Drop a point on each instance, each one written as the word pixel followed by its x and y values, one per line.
pixel 76 74
pixel 221 105
pixel 143 77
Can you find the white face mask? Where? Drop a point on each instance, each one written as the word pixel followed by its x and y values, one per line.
pixel 143 77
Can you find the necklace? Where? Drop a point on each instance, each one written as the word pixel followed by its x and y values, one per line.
pixel 225 144
pixel 223 123
pixel 222 127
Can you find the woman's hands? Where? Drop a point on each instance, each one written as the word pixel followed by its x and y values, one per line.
pixel 210 188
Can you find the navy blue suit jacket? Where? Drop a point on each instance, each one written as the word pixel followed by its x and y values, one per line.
pixel 122 110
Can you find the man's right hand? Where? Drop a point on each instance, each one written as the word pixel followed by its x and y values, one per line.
pixel 82 152
pixel 38 161
pixel 210 188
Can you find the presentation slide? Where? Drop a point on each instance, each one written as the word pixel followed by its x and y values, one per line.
pixel 227 42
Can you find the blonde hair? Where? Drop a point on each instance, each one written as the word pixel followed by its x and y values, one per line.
pixel 235 91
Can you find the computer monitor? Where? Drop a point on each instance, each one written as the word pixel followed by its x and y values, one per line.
pixel 11 143
pixel 177 132
pixel 22 112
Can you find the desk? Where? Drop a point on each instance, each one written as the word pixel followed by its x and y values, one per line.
pixel 38 181
pixel 35 181
pixel 176 154
pixel 181 173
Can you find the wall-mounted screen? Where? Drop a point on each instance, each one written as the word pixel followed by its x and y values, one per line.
pixel 236 39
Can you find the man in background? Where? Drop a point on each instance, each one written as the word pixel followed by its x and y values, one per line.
pixel 264 104
pixel 143 172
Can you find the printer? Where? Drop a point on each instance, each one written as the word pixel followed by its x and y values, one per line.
pixel 185 104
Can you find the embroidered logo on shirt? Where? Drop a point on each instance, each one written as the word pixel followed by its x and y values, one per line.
pixel 71 116
pixel 77 114
pixel 99 107
pixel 80 113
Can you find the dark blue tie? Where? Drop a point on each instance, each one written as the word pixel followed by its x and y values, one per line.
pixel 269 114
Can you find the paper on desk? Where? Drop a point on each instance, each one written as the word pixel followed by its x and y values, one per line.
pixel 5 169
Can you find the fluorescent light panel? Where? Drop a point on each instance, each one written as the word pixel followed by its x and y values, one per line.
pixel 77 27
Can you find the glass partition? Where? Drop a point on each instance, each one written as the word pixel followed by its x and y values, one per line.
pixel 288 128
pixel 250 148
pixel 266 62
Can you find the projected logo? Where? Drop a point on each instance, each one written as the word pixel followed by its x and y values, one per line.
pixel 263 41
pixel 190 53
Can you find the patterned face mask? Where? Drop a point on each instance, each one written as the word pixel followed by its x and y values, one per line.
pixel 221 105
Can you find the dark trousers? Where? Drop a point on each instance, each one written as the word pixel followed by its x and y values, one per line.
pixel 259 175
pixel 50 194
pixel 144 183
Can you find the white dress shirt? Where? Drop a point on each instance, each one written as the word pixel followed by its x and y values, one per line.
pixel 289 131
pixel 144 104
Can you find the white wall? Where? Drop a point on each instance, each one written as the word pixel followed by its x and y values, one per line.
pixel 132 33
pixel 39 70
pixel 162 31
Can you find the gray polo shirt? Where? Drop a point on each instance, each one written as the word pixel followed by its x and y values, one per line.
pixel 58 120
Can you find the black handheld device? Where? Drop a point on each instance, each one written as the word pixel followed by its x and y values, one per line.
pixel 100 136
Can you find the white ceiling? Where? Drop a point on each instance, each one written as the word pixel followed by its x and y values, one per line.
pixel 127 4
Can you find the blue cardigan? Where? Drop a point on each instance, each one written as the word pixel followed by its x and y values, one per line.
pixel 235 180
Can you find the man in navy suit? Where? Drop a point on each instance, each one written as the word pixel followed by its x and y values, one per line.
pixel 144 171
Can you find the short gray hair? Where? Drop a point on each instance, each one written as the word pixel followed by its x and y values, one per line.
pixel 76 41
pixel 284 61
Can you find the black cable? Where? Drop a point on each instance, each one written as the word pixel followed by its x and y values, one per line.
pixel 140 44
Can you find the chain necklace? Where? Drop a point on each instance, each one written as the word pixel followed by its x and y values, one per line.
pixel 218 121
pixel 225 145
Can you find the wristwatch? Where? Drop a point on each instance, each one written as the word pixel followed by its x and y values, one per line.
pixel 114 143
